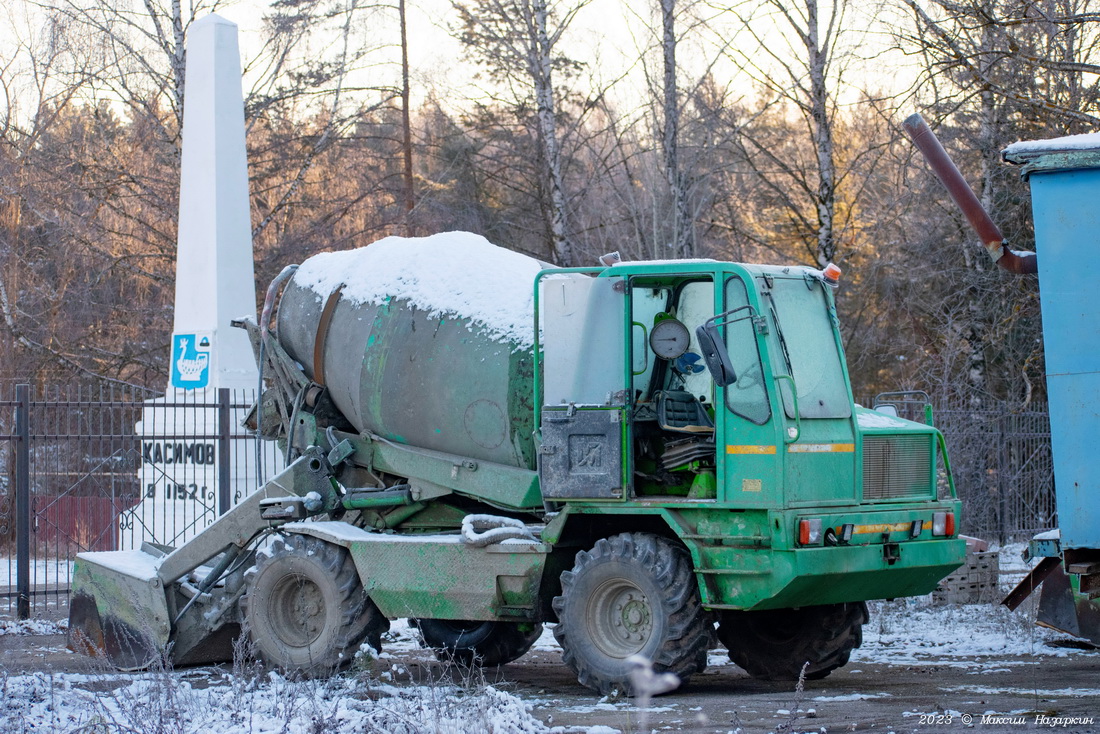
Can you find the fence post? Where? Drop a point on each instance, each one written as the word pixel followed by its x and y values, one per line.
pixel 223 450
pixel 23 501
pixel 1002 475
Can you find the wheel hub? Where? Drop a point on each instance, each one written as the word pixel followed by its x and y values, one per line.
pixel 298 610
pixel 620 618
pixel 635 621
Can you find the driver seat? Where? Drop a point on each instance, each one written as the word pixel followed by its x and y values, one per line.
pixel 679 410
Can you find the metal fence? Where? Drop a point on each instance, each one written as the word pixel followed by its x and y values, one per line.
pixel 109 467
pixel 1003 469
pixel 105 468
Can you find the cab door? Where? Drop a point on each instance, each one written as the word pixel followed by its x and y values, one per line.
pixel 750 439
pixel 584 400
pixel 819 445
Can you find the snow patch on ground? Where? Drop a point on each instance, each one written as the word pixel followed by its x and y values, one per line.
pixel 167 701
pixel 42 571
pixel 605 705
pixel 851 697
pixel 908 632
pixel 1011 560
pixel 33 627
pixel 402 637
pixel 718 658
pixel 448 274
pixel 546 641
pixel 1062 692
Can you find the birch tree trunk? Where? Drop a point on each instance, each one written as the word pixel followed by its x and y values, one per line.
pixel 516 42
pixel 541 76
pixel 797 57
pixel 177 56
pixel 406 126
pixel 818 60
pixel 681 239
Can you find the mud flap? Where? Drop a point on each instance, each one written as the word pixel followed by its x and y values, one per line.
pixel 1063 609
pixel 118 609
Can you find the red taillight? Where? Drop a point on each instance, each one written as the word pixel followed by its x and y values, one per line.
pixel 809 532
pixel 949 526
pixel 943 523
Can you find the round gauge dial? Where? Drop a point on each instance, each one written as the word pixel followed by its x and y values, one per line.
pixel 669 339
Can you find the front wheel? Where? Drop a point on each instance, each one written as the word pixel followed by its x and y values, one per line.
pixel 633 594
pixel 775 644
pixel 305 608
pixel 484 643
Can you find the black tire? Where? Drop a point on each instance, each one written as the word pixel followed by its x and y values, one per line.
pixel 469 642
pixel 305 608
pixel 776 643
pixel 632 594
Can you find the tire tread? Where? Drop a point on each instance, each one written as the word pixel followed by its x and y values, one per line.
pixel 359 619
pixel 690 630
pixel 828 636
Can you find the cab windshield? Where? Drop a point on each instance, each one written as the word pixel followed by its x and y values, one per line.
pixel 804 346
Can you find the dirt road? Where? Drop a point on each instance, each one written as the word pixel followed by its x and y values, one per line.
pixel 935 692
pixel 930 697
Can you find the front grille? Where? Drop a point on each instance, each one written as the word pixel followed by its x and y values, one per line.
pixel 896 466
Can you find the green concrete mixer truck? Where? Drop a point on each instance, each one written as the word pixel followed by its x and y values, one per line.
pixel 652 456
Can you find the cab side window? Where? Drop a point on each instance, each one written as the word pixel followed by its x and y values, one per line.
pixel 748 396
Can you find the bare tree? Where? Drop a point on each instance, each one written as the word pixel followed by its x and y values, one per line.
pixel 1040 55
pixel 995 72
pixel 91 155
pixel 796 58
pixel 516 41
pixel 682 242
pixel 136 54
pixel 406 122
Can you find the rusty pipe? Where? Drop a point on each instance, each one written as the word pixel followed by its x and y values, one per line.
pixel 994 242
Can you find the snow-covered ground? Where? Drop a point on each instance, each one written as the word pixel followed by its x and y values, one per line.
pixel 379 695
pixel 250 703
pixel 910 632
pixel 382 693
pixel 42 571
pixel 32 627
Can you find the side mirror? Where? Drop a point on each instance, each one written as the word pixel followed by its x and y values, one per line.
pixel 715 354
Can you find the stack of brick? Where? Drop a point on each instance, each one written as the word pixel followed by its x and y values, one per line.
pixel 977 581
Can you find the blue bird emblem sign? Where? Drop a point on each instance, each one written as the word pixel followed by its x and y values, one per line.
pixel 191 361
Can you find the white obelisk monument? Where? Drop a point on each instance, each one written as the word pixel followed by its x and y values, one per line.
pixel 214 274
pixel 215 283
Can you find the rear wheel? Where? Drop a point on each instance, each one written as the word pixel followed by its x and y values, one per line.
pixel 305 608
pixel 632 595
pixel 470 641
pixel 775 644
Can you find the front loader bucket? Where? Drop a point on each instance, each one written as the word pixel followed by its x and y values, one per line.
pixel 139 606
pixel 1062 608
pixel 118 608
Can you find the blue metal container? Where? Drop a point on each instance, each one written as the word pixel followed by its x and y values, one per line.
pixel 1065 193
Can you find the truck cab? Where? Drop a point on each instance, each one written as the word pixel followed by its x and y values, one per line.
pixel 785 492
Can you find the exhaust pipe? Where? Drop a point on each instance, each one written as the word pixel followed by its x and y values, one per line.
pixel 994 242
